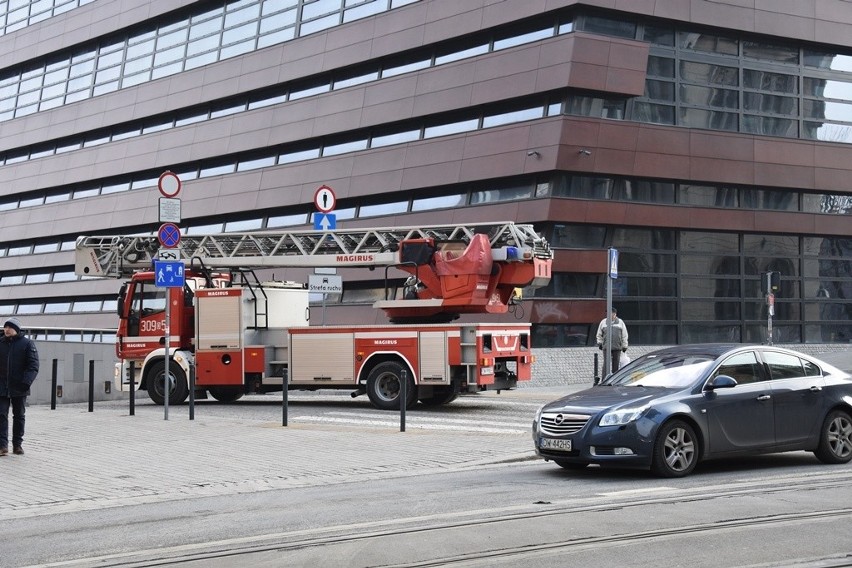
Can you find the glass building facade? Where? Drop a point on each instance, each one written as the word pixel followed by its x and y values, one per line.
pixel 707 154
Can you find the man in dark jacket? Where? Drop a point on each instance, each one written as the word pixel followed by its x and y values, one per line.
pixel 18 370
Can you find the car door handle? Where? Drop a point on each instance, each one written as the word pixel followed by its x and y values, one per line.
pixel 816 389
pixel 764 397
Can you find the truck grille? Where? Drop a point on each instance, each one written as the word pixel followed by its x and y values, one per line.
pixel 559 424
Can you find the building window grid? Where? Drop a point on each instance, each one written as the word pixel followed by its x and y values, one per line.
pixel 159 52
pixel 679 106
pixel 787 123
pixel 33 12
pixel 281 94
pixel 519 112
pixel 749 307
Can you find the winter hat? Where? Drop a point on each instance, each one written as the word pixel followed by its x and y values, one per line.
pixel 14 323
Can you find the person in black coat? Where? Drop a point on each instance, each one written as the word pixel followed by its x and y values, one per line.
pixel 18 370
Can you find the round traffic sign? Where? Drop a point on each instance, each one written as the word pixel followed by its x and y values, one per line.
pixel 169 235
pixel 169 184
pixel 324 199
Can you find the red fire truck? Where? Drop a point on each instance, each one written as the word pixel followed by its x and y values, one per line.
pixel 239 335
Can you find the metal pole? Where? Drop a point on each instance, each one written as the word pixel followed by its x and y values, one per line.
pixel 768 307
pixel 597 377
pixel 53 384
pixel 284 396
pixel 91 385
pixel 167 379
pixel 192 391
pixel 403 397
pixel 132 371
pixel 607 360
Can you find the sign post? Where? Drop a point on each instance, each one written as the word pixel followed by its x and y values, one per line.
pixel 325 282
pixel 168 268
pixel 613 274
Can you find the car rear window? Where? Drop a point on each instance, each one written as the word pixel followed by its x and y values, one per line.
pixel 784 366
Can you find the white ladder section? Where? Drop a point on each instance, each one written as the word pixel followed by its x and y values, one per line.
pixel 118 256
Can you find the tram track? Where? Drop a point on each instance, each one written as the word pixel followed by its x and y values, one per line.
pixel 233 552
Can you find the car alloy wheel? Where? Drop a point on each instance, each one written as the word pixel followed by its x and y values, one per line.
pixel 835 444
pixel 675 450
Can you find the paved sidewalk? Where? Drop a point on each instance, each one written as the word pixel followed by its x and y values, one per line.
pixel 77 460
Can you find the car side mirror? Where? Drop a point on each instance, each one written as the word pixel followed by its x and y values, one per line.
pixel 721 382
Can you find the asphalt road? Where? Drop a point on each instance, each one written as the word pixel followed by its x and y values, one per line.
pixel 774 510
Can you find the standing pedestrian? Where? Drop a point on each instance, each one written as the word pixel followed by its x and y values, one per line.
pixel 18 370
pixel 619 338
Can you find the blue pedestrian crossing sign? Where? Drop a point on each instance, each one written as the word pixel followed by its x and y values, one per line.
pixel 169 274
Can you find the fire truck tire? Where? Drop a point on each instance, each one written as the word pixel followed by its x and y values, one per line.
pixel 156 383
pixel 226 394
pixel 383 386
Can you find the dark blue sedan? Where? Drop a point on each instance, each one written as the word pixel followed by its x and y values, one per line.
pixel 672 408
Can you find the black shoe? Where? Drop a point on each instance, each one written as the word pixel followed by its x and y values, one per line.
pixel 18 450
pixel 4 451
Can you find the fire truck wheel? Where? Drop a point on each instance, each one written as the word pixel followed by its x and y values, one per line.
pixel 156 383
pixel 226 394
pixel 383 386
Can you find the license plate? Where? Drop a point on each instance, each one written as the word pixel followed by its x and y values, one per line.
pixel 557 444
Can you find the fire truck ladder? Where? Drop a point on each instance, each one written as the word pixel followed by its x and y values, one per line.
pixel 119 256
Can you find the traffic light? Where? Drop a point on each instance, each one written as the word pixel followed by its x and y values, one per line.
pixel 770 282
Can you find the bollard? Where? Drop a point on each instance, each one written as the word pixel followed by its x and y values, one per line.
pixel 91 386
pixel 597 377
pixel 403 397
pixel 284 397
pixel 132 371
pixel 192 392
pixel 53 384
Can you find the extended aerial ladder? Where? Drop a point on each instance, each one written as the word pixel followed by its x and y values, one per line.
pixel 463 268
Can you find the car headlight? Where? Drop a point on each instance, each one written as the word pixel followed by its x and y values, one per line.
pixel 622 416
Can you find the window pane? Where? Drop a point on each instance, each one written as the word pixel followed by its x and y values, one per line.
pixel 770 52
pixel 255 164
pixel 383 209
pixel 514 116
pixel 452 128
pixel 536 35
pixel 708 73
pixel 783 366
pixel 779 245
pixel 708 96
pixel 707 42
pixel 768 81
pixel 714 120
pixel 446 201
pixel 706 195
pixel 286 220
pixel 709 242
pixel 610 26
pixel 344 147
pixel 827 60
pixel 298 156
pixel 395 138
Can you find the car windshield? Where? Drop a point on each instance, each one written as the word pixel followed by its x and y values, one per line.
pixel 668 371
